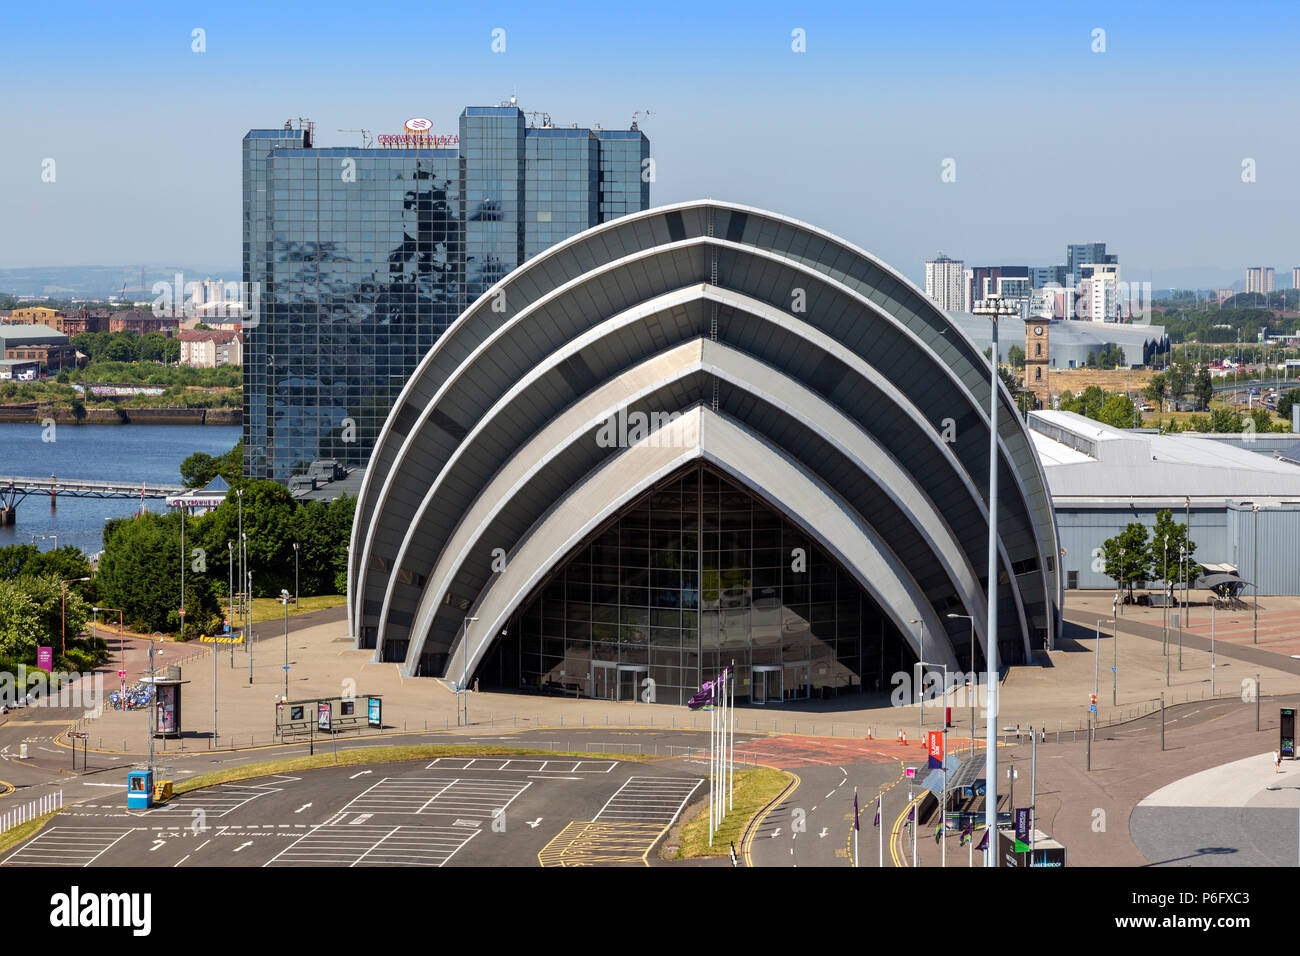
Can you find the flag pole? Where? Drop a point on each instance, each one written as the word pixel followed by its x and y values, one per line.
pixel 880 825
pixel 731 786
pixel 943 810
pixel 713 803
pixel 855 826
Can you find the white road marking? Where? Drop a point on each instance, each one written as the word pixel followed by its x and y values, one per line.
pixel 648 800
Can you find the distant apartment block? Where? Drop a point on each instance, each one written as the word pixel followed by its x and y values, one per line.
pixel 140 322
pixel 945 283
pixel 1295 277
pixel 1260 279
pixel 1080 254
pixel 211 348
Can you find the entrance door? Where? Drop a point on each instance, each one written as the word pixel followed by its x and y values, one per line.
pixel 798 685
pixel 629 681
pixel 765 685
pixel 604 680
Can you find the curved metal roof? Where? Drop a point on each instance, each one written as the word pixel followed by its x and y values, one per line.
pixel 805 344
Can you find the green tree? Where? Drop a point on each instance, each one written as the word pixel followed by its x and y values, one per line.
pixel 123 347
pixel 1155 390
pixel 151 346
pixel 1225 420
pixel 1167 544
pixel 199 468
pixel 1176 378
pixel 1016 357
pixel 1286 401
pixel 1126 556
pixel 1117 411
pixel 1263 421
pixel 21 629
pixel 1203 388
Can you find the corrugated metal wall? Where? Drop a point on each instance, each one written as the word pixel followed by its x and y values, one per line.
pixel 1279 541
pixel 1083 530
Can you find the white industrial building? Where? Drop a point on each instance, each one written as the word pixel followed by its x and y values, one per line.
pixel 1242 503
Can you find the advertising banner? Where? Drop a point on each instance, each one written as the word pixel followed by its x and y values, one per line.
pixel 45 658
pixel 934 748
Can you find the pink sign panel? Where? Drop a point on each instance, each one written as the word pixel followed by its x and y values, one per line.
pixel 45 658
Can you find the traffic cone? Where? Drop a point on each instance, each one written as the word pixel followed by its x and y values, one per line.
pixel 904 733
pixel 868 733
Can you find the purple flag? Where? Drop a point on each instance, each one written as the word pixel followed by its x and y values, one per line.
pixel 877 821
pixel 855 810
pixel 984 841
pixel 703 697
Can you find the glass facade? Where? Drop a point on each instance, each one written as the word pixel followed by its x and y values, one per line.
pixel 358 259
pixel 694 575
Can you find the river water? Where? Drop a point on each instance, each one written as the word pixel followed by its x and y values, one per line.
pixel 127 453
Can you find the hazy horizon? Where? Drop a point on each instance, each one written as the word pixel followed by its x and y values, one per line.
pixel 1141 145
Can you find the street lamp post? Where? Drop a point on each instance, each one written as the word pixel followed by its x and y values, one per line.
pixel 992 307
pixel 182 614
pixel 918 694
pixel 248 616
pixel 295 575
pixel 284 598
pixel 1164 572
pixel 230 632
pixel 464 673
pixel 970 680
pixel 1254 585
pixel 63 614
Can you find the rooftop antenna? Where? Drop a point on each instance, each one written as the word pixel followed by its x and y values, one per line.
pixel 365 136
pixel 640 113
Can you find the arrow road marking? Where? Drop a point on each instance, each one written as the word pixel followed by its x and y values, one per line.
pixel 824 832
pixel 776 832
pixel 355 775
pixel 302 808
pixel 157 844
pixel 534 823
pixel 242 845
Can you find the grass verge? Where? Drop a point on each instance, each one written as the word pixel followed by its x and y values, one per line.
pixel 270 609
pixel 365 755
pixel 755 789
pixel 23 831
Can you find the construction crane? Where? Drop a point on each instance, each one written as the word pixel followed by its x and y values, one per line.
pixel 640 113
pixel 365 136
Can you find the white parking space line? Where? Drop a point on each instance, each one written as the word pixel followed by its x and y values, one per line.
pixel 522 765
pixel 374 846
pixel 67 846
pixel 648 800
pixel 424 796
pixel 215 801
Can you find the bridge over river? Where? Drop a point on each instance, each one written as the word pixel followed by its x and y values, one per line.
pixel 14 489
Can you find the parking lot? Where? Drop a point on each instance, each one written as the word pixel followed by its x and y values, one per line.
pixel 464 811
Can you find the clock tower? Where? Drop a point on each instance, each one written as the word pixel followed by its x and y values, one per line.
pixel 1036 364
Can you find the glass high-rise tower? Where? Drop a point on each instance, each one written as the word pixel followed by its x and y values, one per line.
pixel 356 260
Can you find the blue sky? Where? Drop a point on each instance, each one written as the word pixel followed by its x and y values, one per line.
pixel 1141 145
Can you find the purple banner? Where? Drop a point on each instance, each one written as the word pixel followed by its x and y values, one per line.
pixel 45 659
